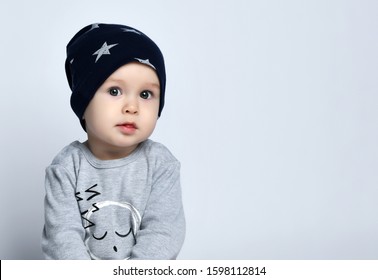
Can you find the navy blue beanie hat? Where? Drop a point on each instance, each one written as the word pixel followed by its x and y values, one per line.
pixel 98 50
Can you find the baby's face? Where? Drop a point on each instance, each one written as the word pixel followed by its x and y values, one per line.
pixel 123 111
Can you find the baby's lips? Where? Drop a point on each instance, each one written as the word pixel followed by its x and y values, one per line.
pixel 128 125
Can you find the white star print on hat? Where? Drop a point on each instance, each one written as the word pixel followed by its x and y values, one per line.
pixel 94 26
pixel 130 30
pixel 146 61
pixel 103 50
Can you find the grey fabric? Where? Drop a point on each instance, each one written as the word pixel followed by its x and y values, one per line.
pixel 129 208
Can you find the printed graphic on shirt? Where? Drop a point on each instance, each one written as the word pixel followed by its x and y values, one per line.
pixel 110 227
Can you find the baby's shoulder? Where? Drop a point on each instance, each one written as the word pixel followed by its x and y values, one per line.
pixel 68 155
pixel 158 152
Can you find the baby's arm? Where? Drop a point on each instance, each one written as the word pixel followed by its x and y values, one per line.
pixel 162 229
pixel 63 233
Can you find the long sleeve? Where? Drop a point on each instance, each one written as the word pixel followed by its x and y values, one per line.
pixel 63 233
pixel 162 229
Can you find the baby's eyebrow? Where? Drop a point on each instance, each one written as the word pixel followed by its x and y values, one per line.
pixel 120 80
pixel 111 79
pixel 154 85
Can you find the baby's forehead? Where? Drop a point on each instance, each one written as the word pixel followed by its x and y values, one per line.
pixel 128 72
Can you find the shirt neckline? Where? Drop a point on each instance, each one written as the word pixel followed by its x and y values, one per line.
pixel 98 163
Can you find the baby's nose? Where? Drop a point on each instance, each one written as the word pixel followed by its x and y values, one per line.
pixel 115 248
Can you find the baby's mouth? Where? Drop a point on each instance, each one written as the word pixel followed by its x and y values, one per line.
pixel 128 128
pixel 129 125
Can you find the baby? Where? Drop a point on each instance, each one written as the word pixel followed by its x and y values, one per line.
pixel 118 194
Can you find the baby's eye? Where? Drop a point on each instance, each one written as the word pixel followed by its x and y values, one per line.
pixel 146 94
pixel 114 91
pixel 100 238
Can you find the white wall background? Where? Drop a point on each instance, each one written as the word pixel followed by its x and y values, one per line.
pixel 271 108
